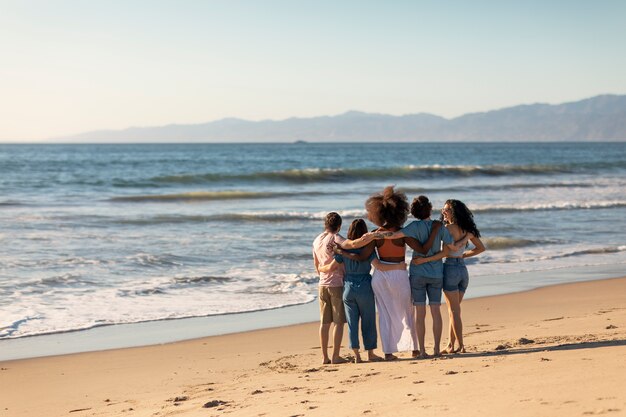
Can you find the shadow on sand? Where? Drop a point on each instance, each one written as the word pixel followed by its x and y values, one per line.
pixel 535 349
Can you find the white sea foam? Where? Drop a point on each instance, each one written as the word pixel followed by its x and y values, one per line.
pixel 136 233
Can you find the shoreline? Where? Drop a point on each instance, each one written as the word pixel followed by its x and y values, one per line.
pixel 558 350
pixel 120 336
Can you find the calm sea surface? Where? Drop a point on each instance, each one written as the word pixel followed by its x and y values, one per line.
pixel 92 235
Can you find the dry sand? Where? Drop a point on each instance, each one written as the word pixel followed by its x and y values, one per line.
pixel 555 351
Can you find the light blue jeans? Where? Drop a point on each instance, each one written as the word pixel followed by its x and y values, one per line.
pixel 358 300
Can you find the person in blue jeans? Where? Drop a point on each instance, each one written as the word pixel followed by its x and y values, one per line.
pixel 459 221
pixel 426 278
pixel 358 296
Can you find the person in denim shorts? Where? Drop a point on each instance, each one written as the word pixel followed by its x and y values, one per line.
pixel 426 278
pixel 460 224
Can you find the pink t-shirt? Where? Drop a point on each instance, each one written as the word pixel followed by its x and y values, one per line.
pixel 323 251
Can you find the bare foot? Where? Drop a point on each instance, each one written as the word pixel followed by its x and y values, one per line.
pixel 372 357
pixel 461 349
pixel 326 361
pixel 415 354
pixel 357 359
pixel 448 349
pixel 338 360
pixel 390 357
pixel 424 355
pixel 436 354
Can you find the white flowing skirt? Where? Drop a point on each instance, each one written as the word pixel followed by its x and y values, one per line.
pixel 392 291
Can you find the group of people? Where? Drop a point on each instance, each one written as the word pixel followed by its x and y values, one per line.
pixel 349 293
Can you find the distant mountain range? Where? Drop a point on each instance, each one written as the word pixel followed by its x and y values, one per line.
pixel 594 119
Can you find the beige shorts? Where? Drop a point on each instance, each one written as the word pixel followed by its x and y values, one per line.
pixel 331 305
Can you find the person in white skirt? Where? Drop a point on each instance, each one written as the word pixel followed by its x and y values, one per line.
pixel 389 210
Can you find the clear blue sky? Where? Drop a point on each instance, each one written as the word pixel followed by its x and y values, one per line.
pixel 73 66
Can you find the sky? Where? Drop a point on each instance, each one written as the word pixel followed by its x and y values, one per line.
pixel 71 66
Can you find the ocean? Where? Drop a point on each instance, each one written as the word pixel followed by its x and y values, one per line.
pixel 97 235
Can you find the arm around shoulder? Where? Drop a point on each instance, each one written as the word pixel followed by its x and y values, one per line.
pixel 358 243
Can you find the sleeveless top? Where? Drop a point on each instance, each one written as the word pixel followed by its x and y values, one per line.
pixel 389 250
pixel 457 253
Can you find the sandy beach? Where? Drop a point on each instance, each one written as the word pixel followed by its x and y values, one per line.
pixel 553 351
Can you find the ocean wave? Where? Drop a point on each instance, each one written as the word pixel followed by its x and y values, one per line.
pixel 565 205
pixel 290 256
pixel 145 292
pixel 312 175
pixel 498 187
pixel 10 203
pixel 8 330
pixel 66 280
pixel 163 298
pixel 208 196
pixel 249 195
pixel 266 217
pixel 289 216
pixel 591 251
pixel 501 243
pixel 159 261
pixel 203 279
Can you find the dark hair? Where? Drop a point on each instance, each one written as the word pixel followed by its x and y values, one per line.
pixel 421 207
pixel 463 217
pixel 357 229
pixel 389 208
pixel 332 222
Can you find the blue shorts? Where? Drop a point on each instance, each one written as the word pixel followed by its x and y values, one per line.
pixel 455 276
pixel 421 287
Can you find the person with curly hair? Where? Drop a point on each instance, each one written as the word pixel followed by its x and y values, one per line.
pixel 459 222
pixel 426 278
pixel 389 211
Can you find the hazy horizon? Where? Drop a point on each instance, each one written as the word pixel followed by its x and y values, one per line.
pixel 74 67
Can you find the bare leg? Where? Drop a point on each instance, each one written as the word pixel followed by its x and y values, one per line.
pixel 337 337
pixel 451 339
pixel 435 311
pixel 372 357
pixel 324 331
pixel 455 309
pixel 420 326
pixel 357 356
pixel 461 344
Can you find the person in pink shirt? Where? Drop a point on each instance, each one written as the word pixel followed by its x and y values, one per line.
pixel 330 287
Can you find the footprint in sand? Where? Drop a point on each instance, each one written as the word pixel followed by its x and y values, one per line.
pixel 602 411
pixel 555 318
pixel 79 409
pixel 214 403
